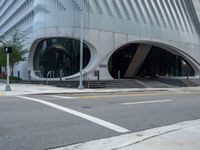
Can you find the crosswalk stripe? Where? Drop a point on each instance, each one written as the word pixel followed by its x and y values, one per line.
pixel 98 121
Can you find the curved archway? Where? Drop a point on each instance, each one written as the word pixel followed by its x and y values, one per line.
pixel 59 54
pixel 148 59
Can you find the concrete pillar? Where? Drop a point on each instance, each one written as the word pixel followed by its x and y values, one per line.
pixel 137 60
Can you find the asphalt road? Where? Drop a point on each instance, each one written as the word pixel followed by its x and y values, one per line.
pixel 38 122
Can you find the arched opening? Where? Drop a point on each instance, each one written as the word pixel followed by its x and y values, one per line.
pixel 144 60
pixel 56 54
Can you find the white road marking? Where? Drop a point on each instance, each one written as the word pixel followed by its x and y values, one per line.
pixel 81 115
pixel 184 92
pixel 148 102
pixel 63 97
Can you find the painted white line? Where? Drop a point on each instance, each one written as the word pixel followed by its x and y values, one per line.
pixel 148 102
pixel 183 92
pixel 79 114
pixel 63 97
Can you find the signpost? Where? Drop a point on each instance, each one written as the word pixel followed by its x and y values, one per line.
pixel 8 50
pixel 96 74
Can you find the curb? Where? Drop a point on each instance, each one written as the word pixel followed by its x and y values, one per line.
pixel 88 92
pixel 34 90
pixel 122 141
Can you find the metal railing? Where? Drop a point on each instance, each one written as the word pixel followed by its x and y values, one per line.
pixel 37 73
pixel 50 75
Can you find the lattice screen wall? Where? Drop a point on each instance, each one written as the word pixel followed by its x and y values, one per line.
pixel 169 14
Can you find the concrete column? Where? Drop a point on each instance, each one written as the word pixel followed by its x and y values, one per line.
pixel 137 60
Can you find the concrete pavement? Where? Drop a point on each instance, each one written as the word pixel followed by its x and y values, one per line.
pixel 26 89
pixel 180 136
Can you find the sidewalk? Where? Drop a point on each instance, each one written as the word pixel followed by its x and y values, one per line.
pixel 180 136
pixel 25 89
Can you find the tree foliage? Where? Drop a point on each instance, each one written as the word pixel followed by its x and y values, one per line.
pixel 2 57
pixel 2 54
pixel 17 42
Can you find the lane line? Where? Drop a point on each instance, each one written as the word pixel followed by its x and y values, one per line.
pixel 185 92
pixel 132 95
pixel 98 121
pixel 63 97
pixel 148 102
pixel 124 95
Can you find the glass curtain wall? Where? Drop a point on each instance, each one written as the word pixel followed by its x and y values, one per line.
pixel 159 62
pixel 121 59
pixel 59 55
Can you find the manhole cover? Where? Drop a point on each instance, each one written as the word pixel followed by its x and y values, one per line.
pixel 113 102
pixel 86 107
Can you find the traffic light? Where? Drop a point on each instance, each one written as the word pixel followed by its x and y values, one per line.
pixel 8 50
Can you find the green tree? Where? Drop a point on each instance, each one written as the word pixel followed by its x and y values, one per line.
pixel 2 54
pixel 2 57
pixel 17 42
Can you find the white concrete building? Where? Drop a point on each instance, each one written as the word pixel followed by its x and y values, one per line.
pixel 130 37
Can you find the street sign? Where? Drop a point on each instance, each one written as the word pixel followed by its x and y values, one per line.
pixel 96 73
pixel 8 50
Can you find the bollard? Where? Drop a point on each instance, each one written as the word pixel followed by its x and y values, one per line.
pixel 60 73
pixel 29 76
pixel 187 75
pixel 98 76
pixel 18 74
pixel 119 74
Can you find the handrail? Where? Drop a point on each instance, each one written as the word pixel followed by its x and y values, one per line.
pixel 50 75
pixel 38 73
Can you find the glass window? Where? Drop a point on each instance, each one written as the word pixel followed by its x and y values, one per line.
pixel 159 62
pixel 59 55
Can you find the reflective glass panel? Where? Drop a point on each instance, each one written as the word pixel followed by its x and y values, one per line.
pixel 158 62
pixel 59 55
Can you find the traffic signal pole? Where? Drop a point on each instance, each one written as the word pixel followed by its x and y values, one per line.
pixel 8 88
pixel 8 51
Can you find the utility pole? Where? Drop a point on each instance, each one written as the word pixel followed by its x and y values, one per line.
pixel 81 44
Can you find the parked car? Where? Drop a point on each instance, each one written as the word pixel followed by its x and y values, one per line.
pixel 3 74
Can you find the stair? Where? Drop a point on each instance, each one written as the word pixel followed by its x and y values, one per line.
pixel 124 83
pixel 155 83
pixel 179 82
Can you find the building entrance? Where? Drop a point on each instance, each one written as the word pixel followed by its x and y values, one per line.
pixel 59 55
pixel 144 60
